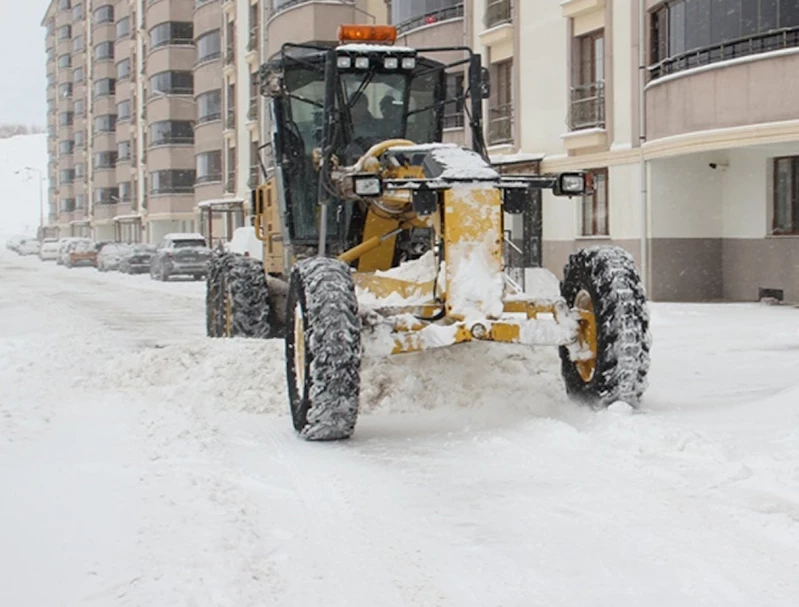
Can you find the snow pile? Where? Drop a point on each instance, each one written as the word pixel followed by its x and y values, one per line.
pixel 458 162
pixel 415 272
pixel 19 193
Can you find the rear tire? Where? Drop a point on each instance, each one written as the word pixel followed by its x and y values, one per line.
pixel 236 288
pixel 607 279
pixel 323 349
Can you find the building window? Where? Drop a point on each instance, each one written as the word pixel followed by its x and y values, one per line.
pixel 587 103
pixel 172 83
pixel 125 191
pixel 123 110
pixel 123 151
pixel 80 201
pixel 171 32
pixel 209 166
pixel 67 205
pixel 64 32
pixel 209 46
pixel 595 207
pixel 77 43
pixel 104 51
pixel 123 28
pixel 80 169
pixel 65 119
pixel 105 87
pixel 500 105
pixel 123 69
pixel 79 107
pixel 105 160
pixel 80 139
pixel 172 181
pixel 65 147
pixel 66 175
pixel 105 124
pixel 786 196
pixel 106 195
pixel 209 106
pixel 64 5
pixel 77 12
pixel 170 132
pixel 65 90
pixel 77 75
pixel 497 13
pixel 103 14
pixel 64 60
pixel 689 33
pixel 453 109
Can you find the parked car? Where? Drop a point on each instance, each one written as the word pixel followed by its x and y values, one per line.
pixel 29 246
pixel 63 244
pixel 181 253
pixel 110 254
pixel 49 250
pixel 81 253
pixel 12 244
pixel 136 258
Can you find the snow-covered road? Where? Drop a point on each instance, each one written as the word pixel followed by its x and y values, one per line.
pixel 142 464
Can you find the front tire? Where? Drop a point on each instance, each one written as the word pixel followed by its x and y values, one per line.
pixel 237 298
pixel 604 283
pixel 323 349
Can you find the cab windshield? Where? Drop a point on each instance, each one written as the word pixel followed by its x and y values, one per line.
pixel 370 107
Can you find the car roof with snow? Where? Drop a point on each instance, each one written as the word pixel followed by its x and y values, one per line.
pixel 184 236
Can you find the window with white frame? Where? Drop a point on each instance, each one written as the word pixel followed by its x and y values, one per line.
pixel 594 207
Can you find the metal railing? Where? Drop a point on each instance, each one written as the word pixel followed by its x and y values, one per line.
pixel 230 55
pixel 456 120
pixel 211 177
pixel 230 121
pixel 587 106
pixel 252 41
pixel 444 14
pixel 500 124
pixel 497 13
pixel 745 46
pixel 252 112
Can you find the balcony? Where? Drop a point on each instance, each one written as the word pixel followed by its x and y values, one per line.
pixel 586 117
pixel 444 14
pixel 587 106
pixel 500 124
pixel 497 13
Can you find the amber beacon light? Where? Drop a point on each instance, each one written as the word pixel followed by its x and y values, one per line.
pixel 386 34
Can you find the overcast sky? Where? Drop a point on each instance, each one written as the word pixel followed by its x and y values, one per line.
pixel 22 62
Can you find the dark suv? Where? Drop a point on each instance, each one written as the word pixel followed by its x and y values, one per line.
pixel 180 254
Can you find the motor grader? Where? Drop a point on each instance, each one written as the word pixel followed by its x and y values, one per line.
pixel 377 237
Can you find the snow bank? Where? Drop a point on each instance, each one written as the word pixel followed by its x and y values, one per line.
pixel 19 194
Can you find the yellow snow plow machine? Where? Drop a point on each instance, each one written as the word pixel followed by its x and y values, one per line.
pixel 377 237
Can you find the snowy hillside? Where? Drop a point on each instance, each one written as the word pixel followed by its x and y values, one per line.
pixel 19 196
pixel 145 464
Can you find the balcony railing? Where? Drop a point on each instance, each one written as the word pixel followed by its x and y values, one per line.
pixel 230 121
pixel 500 124
pixel 252 41
pixel 252 113
pixel 210 178
pixel 230 55
pixel 444 14
pixel 587 106
pixel 745 46
pixel 497 13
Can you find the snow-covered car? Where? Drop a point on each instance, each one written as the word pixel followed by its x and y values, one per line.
pixel 181 253
pixel 109 256
pixel 136 258
pixel 12 244
pixel 49 249
pixel 81 253
pixel 29 246
pixel 63 245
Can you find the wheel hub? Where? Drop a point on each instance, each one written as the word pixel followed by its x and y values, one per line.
pixel 586 335
pixel 299 350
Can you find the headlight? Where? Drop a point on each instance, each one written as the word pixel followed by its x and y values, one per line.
pixel 572 184
pixel 344 62
pixel 408 63
pixel 362 63
pixel 367 185
pixel 391 63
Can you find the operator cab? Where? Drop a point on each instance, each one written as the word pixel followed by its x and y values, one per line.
pixel 370 90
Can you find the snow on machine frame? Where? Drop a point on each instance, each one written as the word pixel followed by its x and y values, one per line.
pixel 379 238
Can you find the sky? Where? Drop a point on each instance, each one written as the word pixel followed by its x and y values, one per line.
pixel 22 62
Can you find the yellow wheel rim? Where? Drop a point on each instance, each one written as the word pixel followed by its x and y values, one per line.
pixel 228 313
pixel 299 350
pixel 587 335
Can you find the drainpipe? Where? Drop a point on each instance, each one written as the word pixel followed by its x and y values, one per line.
pixel 644 201
pixel 141 125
